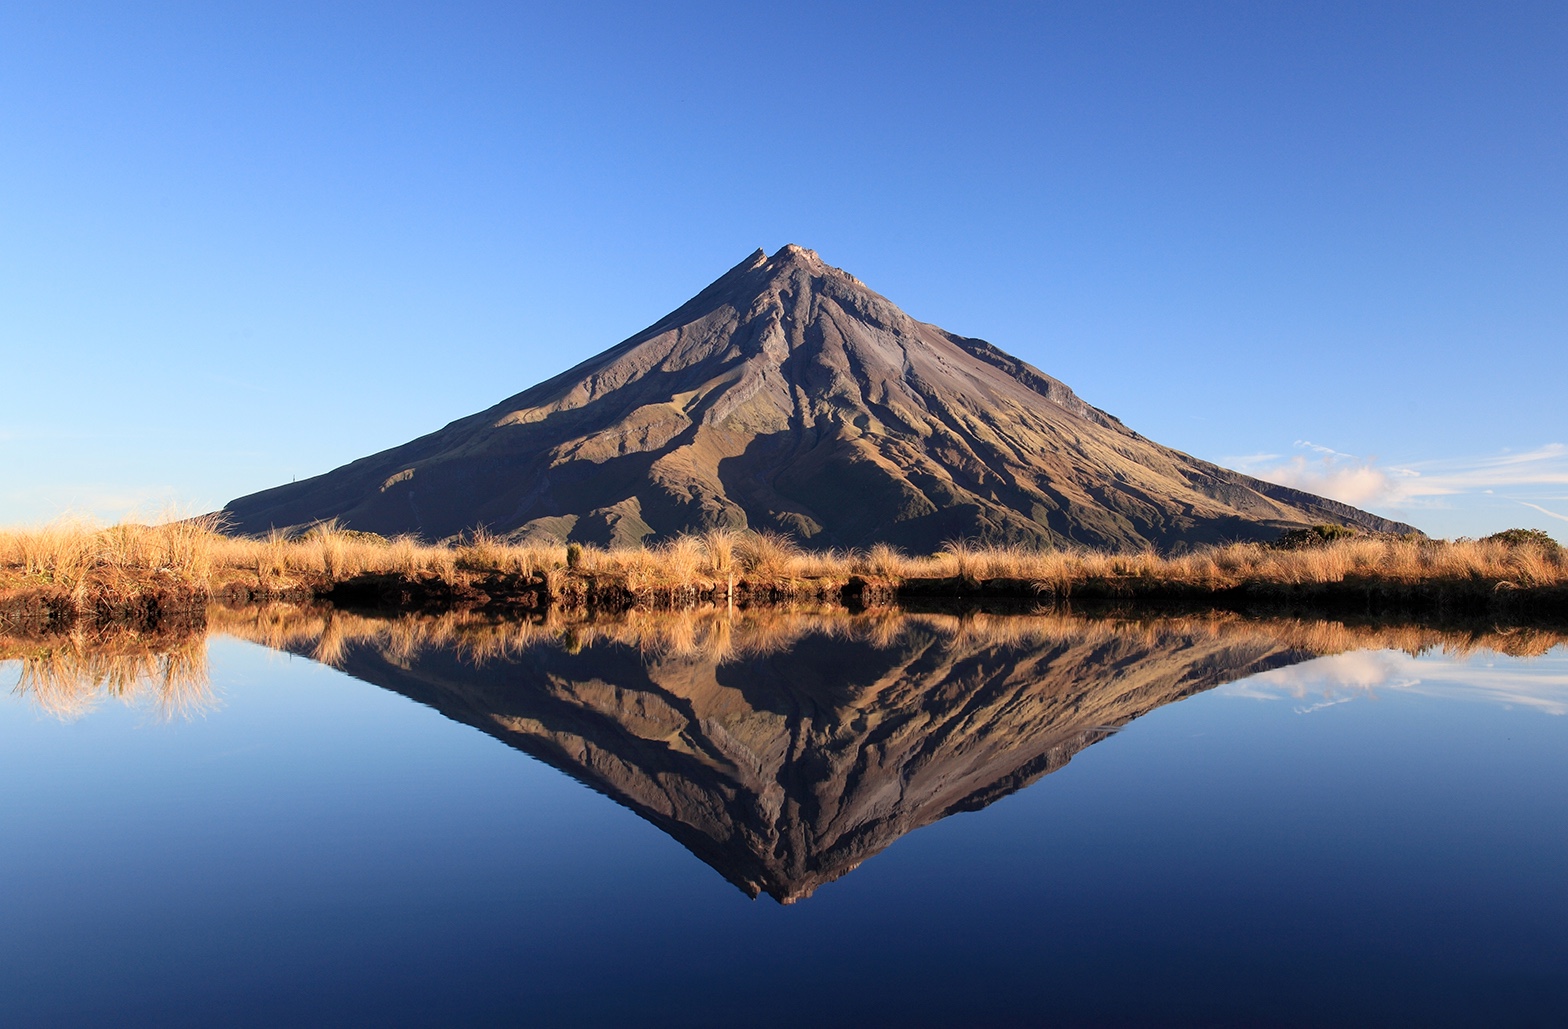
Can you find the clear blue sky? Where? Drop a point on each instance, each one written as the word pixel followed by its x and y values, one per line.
pixel 1323 242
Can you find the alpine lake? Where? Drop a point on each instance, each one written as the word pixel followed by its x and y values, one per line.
pixel 309 816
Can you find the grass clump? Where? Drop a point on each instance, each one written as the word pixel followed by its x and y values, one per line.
pixel 331 530
pixel 767 555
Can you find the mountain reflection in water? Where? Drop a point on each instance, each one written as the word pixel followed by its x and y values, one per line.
pixel 782 748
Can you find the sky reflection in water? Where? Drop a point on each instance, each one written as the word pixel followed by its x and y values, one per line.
pixel 1359 835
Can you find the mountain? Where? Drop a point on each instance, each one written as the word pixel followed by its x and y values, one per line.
pixel 785 753
pixel 789 396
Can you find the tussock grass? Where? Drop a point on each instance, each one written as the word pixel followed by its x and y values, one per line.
pixel 85 563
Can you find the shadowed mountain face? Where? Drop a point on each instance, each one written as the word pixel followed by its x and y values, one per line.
pixel 788 396
pixel 785 755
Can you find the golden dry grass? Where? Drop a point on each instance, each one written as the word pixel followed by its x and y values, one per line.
pixel 80 560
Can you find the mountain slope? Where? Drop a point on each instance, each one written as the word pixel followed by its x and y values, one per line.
pixel 788 396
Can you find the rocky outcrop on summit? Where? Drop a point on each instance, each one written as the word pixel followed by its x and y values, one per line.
pixel 788 396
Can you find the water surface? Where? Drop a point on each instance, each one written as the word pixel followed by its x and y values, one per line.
pixel 322 817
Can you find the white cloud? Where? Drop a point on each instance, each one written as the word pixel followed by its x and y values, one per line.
pixel 1349 480
pixel 1362 481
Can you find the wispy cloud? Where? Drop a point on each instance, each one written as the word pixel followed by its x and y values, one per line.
pixel 1538 507
pixel 1364 481
pixel 99 501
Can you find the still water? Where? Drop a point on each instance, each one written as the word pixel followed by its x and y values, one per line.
pixel 313 817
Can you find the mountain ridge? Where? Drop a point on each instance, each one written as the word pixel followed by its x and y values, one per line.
pixel 789 396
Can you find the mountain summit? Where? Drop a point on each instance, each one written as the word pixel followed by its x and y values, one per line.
pixel 789 396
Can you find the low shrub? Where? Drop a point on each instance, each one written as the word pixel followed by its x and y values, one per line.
pixel 1525 538
pixel 1313 536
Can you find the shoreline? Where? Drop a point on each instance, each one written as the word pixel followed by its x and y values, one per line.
pixel 139 576
pixel 154 603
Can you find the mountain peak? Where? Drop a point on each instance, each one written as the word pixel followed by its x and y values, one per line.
pixel 789 396
pixel 792 253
